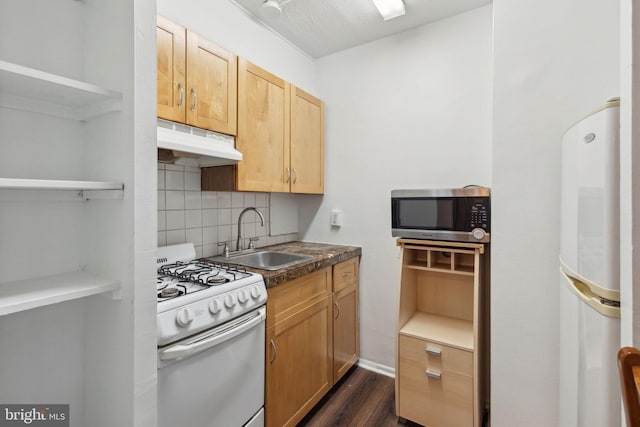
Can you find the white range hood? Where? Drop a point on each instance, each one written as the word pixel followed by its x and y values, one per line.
pixel 197 147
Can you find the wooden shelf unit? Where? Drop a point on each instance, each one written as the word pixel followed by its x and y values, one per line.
pixel 440 312
pixel 455 261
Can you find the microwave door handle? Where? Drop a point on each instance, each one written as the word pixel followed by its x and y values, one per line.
pixel 179 351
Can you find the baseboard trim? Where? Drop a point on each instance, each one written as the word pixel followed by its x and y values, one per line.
pixel 377 368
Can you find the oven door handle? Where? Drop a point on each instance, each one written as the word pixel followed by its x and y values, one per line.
pixel 179 351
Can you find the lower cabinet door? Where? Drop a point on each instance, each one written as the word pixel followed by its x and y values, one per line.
pixel 298 363
pixel 345 331
pixel 435 387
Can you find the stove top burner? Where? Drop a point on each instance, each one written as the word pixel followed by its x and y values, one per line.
pixel 183 278
pixel 169 292
pixel 216 280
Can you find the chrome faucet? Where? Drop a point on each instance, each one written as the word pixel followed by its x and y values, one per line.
pixel 240 223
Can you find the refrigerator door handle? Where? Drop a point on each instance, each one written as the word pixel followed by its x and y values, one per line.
pixel 597 289
pixel 602 305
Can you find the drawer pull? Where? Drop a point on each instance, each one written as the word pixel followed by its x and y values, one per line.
pixel 433 374
pixel 431 351
pixel 345 275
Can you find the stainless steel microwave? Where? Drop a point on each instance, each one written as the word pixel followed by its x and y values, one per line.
pixel 459 215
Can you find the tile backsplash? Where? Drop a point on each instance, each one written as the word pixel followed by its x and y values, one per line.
pixel 206 218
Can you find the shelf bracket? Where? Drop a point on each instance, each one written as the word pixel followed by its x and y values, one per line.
pixel 115 194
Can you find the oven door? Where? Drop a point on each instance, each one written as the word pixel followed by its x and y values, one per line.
pixel 215 378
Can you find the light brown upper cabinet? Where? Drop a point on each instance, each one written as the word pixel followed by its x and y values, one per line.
pixel 263 131
pixel 307 143
pixel 197 80
pixel 280 136
pixel 171 67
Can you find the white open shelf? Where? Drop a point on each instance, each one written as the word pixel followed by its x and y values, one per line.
pixel 28 89
pixel 52 184
pixel 32 293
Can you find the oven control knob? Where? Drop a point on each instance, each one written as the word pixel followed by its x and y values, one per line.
pixel 478 233
pixel 184 317
pixel 243 296
pixel 230 300
pixel 215 306
pixel 255 292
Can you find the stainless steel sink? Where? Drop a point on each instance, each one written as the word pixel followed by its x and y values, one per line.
pixel 265 260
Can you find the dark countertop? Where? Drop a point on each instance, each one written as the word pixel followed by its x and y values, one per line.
pixel 325 255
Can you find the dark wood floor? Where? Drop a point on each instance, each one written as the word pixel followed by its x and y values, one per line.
pixel 361 399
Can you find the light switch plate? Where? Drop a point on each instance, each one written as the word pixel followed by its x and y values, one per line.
pixel 336 218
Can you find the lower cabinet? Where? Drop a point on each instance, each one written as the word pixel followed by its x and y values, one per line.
pixel 299 353
pixel 345 317
pixel 311 340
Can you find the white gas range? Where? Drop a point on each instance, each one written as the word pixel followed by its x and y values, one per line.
pixel 210 342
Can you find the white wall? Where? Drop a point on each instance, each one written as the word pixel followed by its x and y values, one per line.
pixel 411 110
pixel 225 24
pixel 553 63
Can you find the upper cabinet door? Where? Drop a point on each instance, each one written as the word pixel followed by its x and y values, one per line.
pixel 263 130
pixel 307 143
pixel 212 84
pixel 171 76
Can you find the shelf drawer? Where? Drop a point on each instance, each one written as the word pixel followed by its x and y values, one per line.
pixel 435 389
pixel 345 274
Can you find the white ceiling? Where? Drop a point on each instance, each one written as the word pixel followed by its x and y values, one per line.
pixel 322 27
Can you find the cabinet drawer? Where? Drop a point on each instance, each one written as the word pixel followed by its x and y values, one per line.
pixel 345 274
pixel 435 390
pixel 286 300
pixel 437 356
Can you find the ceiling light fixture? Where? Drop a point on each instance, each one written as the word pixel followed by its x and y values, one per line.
pixel 390 9
pixel 271 9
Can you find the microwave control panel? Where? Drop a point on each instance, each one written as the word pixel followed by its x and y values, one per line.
pixel 479 213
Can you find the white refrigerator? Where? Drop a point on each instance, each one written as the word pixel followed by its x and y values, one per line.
pixel 589 265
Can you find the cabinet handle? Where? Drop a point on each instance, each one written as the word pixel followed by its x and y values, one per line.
pixel 337 310
pixel 433 374
pixel 288 175
pixel 194 99
pixel 295 175
pixel 433 351
pixel 345 275
pixel 275 352
pixel 181 97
